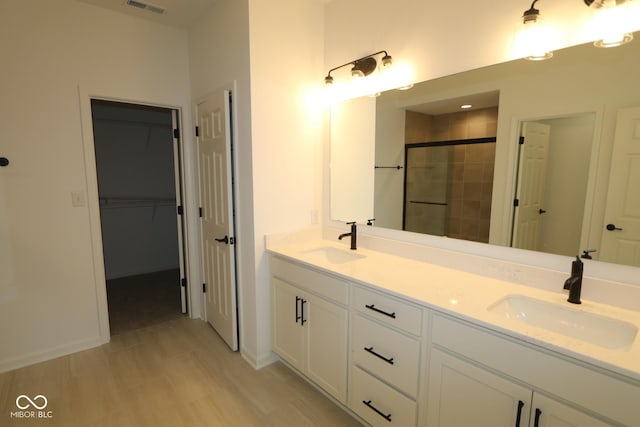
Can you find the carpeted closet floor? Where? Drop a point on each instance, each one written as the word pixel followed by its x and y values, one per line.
pixel 144 300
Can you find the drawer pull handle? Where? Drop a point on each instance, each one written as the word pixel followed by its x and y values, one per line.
pixel 520 406
pixel 377 310
pixel 302 303
pixel 536 423
pixel 382 414
pixel 298 317
pixel 372 351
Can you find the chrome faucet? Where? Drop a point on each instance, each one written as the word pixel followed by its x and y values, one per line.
pixel 574 283
pixel 352 234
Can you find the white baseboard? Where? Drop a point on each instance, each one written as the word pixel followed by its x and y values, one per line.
pixel 52 353
pixel 259 362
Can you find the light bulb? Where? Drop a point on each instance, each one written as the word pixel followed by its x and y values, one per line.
pixel 612 21
pixel 534 38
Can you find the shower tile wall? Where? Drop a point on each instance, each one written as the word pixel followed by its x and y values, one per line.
pixel 469 169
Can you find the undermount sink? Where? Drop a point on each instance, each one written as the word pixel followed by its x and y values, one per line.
pixel 593 328
pixel 331 255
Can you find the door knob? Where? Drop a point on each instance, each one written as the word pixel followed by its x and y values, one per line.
pixel 612 227
pixel 225 239
pixel 4 161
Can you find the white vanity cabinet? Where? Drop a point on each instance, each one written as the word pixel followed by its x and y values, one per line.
pixel 408 362
pixel 386 350
pixel 462 394
pixel 477 377
pixel 309 324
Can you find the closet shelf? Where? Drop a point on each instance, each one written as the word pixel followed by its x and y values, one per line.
pixel 136 202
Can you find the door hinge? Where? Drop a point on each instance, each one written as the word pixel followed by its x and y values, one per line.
pixel 516 203
pixel 180 210
pixel 176 133
pixel 521 140
pixel 200 211
pixel 204 288
pixel 197 131
pixel 183 282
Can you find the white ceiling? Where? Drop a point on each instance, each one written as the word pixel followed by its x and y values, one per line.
pixel 178 13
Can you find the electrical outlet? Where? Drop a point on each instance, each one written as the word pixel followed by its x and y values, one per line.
pixel 314 216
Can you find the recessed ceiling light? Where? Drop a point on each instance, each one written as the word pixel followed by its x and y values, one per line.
pixel 466 106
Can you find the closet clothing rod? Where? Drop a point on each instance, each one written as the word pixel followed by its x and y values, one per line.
pixel 136 202
pixel 134 122
pixel 398 167
pixel 428 203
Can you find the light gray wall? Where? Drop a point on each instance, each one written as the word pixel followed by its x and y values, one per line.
pixel 55 55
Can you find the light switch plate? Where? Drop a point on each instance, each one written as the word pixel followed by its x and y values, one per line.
pixel 78 199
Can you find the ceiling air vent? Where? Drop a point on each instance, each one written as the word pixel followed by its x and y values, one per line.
pixel 145 6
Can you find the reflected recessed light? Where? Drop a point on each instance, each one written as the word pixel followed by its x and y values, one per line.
pixel 466 106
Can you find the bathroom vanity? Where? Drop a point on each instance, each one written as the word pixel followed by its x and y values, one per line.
pixel 401 342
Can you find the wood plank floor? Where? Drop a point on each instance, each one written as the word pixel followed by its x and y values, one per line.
pixel 178 373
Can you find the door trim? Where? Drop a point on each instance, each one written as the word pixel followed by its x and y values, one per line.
pixel 93 205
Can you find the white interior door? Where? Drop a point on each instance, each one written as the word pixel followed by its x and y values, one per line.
pixel 216 198
pixel 531 183
pixel 177 168
pixel 621 236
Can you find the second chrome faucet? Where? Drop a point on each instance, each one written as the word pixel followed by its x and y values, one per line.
pixel 353 235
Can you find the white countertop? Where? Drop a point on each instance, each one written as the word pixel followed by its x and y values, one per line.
pixel 467 296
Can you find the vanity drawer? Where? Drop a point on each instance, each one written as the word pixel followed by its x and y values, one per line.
pixel 388 309
pixel 389 355
pixel 304 277
pixel 379 404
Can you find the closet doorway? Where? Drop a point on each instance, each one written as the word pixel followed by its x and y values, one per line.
pixel 139 174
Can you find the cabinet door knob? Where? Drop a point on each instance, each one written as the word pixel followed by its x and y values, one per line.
pixel 612 227
pixel 4 161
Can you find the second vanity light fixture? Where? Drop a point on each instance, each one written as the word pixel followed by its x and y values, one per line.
pixel 610 25
pixel 611 21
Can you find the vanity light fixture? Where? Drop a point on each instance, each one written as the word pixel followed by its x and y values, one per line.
pixel 466 106
pixel 370 76
pixel 534 38
pixel 362 67
pixel 611 21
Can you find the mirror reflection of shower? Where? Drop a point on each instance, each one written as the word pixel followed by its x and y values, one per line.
pixel 448 188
